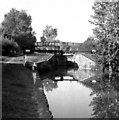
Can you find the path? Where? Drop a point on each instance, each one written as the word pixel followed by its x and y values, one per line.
pixel 11 60
pixel 46 58
pixel 31 58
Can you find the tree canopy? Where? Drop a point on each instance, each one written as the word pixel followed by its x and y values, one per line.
pixel 106 20
pixel 49 33
pixel 18 25
pixel 90 43
pixel 9 47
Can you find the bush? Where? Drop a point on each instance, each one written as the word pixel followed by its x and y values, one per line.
pixel 9 47
pixel 26 41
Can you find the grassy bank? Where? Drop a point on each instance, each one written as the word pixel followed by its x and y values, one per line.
pixel 20 97
pixel 35 57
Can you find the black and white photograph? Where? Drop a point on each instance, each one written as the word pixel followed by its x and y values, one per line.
pixel 59 59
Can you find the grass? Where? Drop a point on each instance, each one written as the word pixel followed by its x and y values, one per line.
pixel 90 56
pixel 20 97
pixel 36 57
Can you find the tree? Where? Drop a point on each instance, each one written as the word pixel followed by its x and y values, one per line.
pixel 50 33
pixel 18 25
pixel 106 99
pixel 26 41
pixel 105 94
pixel 106 20
pixel 43 39
pixel 8 47
pixel 90 43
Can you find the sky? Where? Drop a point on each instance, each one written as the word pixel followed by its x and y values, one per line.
pixel 70 17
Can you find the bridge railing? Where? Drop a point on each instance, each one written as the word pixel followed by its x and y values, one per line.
pixel 48 46
pixel 55 46
pixel 40 44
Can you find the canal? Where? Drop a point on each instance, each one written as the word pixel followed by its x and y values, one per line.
pixel 67 97
pixel 63 93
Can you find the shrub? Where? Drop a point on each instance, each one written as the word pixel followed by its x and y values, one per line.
pixel 9 47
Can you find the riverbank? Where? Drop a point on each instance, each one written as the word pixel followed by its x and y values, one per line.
pixel 20 97
pixel 35 57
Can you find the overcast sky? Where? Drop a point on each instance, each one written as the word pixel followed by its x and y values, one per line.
pixel 70 17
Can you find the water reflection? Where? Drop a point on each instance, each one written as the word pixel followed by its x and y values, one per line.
pixel 106 101
pixel 49 85
pixel 50 80
pixel 66 96
pixel 81 75
pixel 82 94
pixel 70 94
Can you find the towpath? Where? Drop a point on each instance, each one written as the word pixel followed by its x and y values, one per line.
pixel 30 58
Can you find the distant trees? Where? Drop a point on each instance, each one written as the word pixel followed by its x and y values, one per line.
pixel 49 33
pixel 17 24
pixel 106 20
pixel 43 39
pixel 90 43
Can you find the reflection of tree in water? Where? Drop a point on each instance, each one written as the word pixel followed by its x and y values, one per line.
pixel 106 101
pixel 48 80
pixel 49 85
pixel 81 74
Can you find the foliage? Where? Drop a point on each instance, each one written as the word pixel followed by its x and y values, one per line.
pixel 8 46
pixel 26 41
pixel 49 85
pixel 18 24
pixel 90 43
pixel 105 94
pixel 106 101
pixel 106 20
pixel 49 33
pixel 43 39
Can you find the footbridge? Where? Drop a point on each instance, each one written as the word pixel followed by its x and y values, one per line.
pixel 55 46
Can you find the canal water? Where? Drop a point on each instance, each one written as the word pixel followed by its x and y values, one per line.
pixel 82 94
pixel 63 93
pixel 67 96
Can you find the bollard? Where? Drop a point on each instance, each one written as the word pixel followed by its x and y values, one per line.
pixel 33 66
pixel 25 59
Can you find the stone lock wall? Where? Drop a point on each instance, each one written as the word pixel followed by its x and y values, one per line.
pixel 83 62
